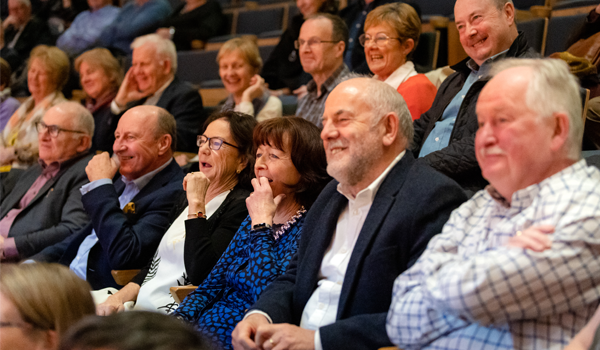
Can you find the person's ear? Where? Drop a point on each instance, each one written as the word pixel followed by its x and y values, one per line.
pixel 242 164
pixel 85 142
pixel 164 144
pixel 509 13
pixel 340 47
pixel 407 46
pixel 390 123
pixel 167 65
pixel 561 127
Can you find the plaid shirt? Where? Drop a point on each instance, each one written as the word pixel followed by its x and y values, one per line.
pixel 311 106
pixel 469 291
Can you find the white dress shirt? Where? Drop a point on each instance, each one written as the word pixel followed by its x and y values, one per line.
pixel 321 308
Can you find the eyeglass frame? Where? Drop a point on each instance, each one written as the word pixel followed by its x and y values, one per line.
pixel 54 127
pixel 363 42
pixel 199 137
pixel 316 41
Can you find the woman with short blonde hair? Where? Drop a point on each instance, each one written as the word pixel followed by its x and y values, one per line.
pixel 38 303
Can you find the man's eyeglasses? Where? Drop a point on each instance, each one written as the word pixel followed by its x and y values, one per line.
pixel 311 42
pixel 214 143
pixel 379 40
pixel 53 130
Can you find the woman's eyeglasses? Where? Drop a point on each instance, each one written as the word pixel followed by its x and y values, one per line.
pixel 214 143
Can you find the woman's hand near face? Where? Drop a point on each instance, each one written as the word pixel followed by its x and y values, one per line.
pixel 195 186
pixel 256 89
pixel 261 204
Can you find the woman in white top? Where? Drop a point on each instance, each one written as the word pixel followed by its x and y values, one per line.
pixel 239 63
pixel 205 221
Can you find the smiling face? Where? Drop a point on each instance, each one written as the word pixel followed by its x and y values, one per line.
pixel 309 7
pixel 39 81
pixel 484 30
pixel 151 71
pixel 513 144
pixel 277 166
pixel 94 80
pixel 321 58
pixel 385 59
pixel 136 144
pixel 19 11
pixel 220 165
pixel 235 72
pixel 352 145
pixel 66 144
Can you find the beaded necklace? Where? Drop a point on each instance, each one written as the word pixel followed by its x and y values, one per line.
pixel 289 223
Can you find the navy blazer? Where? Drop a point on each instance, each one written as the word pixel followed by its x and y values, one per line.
pixel 411 206
pixel 184 102
pixel 125 241
pixel 54 213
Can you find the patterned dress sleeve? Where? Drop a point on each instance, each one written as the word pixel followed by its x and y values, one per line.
pixel 191 307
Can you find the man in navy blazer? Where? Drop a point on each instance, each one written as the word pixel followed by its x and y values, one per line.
pixel 365 228
pixel 151 80
pixel 128 218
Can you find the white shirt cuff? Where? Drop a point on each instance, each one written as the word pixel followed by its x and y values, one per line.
pixel 318 345
pixel 251 312
pixel 93 185
pixel 114 107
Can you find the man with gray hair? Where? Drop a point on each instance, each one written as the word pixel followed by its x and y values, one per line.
pixel 445 134
pixel 364 229
pixel 151 81
pixel 44 206
pixel 515 267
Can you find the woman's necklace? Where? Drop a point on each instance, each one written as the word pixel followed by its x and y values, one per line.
pixel 289 223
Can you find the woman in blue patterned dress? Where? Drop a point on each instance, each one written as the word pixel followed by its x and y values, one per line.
pixel 290 173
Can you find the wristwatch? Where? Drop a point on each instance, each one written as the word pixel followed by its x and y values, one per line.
pixel 197 215
pixel 261 226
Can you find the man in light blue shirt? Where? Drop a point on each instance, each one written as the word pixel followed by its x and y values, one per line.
pixel 445 134
pixel 129 217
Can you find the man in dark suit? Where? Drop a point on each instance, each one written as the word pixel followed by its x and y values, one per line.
pixel 365 229
pixel 128 218
pixel 23 32
pixel 44 206
pixel 151 80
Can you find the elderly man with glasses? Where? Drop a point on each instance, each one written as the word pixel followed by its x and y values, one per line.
pixel 44 205
pixel 321 44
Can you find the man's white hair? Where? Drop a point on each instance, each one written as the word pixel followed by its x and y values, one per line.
pixel 383 99
pixel 165 48
pixel 552 89
pixel 25 3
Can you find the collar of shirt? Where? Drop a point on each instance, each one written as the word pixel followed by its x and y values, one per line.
pixel 49 170
pixel 330 83
pixel 400 75
pixel 524 197
pixel 153 100
pixel 485 67
pixel 367 195
pixel 143 180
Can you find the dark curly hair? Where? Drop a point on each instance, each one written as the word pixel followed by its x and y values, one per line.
pixel 302 139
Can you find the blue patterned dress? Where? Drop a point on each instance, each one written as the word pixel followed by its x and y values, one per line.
pixel 251 262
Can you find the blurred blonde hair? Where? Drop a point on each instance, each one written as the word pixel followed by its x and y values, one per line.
pixel 102 58
pixel 400 17
pixel 48 296
pixel 248 48
pixel 56 63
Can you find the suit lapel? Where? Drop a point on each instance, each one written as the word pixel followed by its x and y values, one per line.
pixel 19 191
pixel 384 199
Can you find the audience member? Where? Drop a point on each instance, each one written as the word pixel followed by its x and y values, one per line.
pixel 87 27
pixel 363 230
pixel 136 18
pixel 445 134
pixel 282 70
pixel 589 337
pixel 44 207
pixel 193 20
pixel 133 331
pixel 204 221
pixel 479 284
pixel 151 80
pixel 38 303
pixel 101 75
pixel 391 35
pixel 47 72
pixel 8 104
pixel 129 218
pixel 239 64
pixel 23 32
pixel 321 44
pixel 290 173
